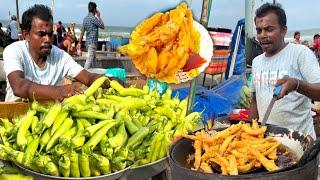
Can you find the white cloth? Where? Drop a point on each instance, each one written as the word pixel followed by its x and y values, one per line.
pixel 13 29
pixel 59 64
pixel 294 110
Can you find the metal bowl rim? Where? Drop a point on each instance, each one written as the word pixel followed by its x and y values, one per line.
pixel 70 178
pixel 150 164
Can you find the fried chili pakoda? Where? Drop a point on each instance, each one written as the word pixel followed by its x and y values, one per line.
pixel 161 45
pixel 237 149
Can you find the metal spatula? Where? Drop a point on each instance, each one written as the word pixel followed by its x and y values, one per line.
pixel 276 93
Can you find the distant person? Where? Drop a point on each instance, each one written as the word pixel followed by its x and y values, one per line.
pixel 306 43
pixel 72 27
pixel 296 37
pixel 91 23
pixel 316 45
pixel 2 33
pixel 55 36
pixel 12 29
pixel 67 41
pixel 4 38
pixel 60 31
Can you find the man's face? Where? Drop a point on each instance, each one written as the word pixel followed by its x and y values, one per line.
pixel 270 34
pixel 40 37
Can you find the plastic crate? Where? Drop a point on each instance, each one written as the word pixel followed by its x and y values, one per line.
pixel 216 66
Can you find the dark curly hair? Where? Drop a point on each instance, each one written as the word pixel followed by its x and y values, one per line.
pixel 275 8
pixel 92 7
pixel 39 11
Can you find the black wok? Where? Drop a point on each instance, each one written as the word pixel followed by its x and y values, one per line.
pixel 295 141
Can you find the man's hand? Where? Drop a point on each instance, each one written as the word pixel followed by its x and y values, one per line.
pixel 66 91
pixel 288 85
pixel 97 13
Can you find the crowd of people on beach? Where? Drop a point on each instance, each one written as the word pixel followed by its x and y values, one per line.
pixel 64 37
pixel 315 46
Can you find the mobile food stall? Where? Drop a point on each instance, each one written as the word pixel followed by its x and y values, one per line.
pixel 136 133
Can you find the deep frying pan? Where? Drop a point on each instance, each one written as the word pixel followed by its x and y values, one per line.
pixel 300 144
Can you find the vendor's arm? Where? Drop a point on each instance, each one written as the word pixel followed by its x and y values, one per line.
pixel 309 84
pixel 311 90
pixel 253 108
pixel 98 22
pixel 24 88
pixel 87 78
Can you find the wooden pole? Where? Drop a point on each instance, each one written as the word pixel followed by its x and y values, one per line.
pixel 17 9
pixel 204 21
pixel 18 17
pixel 204 13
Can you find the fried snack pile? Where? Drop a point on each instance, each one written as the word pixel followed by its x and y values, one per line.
pixel 237 149
pixel 160 46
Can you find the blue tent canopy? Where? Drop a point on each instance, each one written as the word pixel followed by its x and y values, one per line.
pixel 240 62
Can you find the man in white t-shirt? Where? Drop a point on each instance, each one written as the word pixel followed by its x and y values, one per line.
pixel 34 67
pixel 293 108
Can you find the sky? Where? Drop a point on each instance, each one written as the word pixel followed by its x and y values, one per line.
pixel 224 13
pixel 130 12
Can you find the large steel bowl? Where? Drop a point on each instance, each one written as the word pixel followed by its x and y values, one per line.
pixel 40 176
pixel 147 170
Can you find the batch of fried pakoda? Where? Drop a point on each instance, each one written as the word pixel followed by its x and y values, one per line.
pixel 237 149
pixel 160 46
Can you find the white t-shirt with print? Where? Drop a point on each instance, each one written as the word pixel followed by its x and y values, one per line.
pixel 293 111
pixel 59 64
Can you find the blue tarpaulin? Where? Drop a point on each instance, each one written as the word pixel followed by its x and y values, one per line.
pixel 216 102
pixel 240 62
pixel 223 98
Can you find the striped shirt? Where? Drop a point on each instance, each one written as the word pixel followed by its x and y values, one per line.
pixel 91 25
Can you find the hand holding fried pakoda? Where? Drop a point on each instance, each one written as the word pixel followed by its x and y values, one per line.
pixel 161 45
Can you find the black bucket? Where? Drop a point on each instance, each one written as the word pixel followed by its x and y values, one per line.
pixel 180 151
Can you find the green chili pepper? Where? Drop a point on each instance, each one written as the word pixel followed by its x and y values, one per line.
pixel 93 167
pixel 66 125
pixel 102 163
pixel 84 165
pixel 79 139
pixel 97 137
pixel 64 166
pixel 137 137
pixel 120 138
pixel 52 115
pixel 74 166
pixel 30 151
pixel 22 132
pixel 90 115
pixel 95 85
pixel 59 120
pixel 89 131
